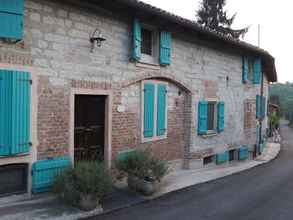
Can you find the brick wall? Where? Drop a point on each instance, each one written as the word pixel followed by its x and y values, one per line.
pixel 127 125
pixel 53 119
pixel 250 121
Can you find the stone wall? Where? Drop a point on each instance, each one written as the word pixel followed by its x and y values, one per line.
pixel 56 44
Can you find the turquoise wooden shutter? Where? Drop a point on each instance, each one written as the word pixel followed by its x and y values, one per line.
pixel 136 52
pixel 5 112
pixel 11 19
pixel 221 116
pixel 45 171
pixel 222 158
pixel 202 117
pixel 161 109
pixel 149 102
pixel 243 153
pixel 165 48
pixel 245 70
pixel 125 154
pixel 257 71
pixel 263 107
pixel 21 101
pixel 258 106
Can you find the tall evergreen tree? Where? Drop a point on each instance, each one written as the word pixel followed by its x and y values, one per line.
pixel 211 14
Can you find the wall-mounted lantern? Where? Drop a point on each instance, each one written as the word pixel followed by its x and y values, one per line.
pixel 96 39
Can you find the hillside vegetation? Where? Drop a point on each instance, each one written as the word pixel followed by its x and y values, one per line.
pixel 283 93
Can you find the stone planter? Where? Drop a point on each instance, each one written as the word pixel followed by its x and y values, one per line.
pixel 148 187
pixel 143 186
pixel 133 182
pixel 88 202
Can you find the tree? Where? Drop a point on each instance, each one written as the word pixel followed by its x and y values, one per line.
pixel 211 14
pixel 284 92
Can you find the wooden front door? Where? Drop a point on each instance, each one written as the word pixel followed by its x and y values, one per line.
pixel 89 127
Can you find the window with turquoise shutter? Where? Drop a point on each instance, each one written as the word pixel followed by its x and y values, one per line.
pixel 165 48
pixel 245 69
pixel 21 105
pixel 257 71
pixel 14 112
pixel 161 109
pixel 136 52
pixel 263 112
pixel 202 117
pixel 211 117
pixel 149 104
pixel 5 112
pixel 221 116
pixel 155 101
pixel 11 19
pixel 258 106
pixel 251 70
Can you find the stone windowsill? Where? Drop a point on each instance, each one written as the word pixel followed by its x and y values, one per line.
pixel 152 66
pixel 210 134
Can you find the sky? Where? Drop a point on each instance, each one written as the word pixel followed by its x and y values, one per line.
pixel 274 18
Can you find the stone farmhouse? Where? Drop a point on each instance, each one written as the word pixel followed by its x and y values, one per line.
pixel 93 80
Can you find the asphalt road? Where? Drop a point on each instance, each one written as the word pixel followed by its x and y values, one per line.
pixel 262 193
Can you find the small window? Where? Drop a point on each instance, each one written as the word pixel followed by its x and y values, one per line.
pixel 212 115
pixel 232 155
pixel 149 45
pixel 208 160
pixel 13 179
pixel 250 69
pixel 146 41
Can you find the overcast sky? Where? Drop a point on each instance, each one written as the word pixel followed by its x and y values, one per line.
pixel 274 17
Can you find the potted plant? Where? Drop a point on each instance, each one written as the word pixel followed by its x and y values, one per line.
pixel 84 185
pixel 144 171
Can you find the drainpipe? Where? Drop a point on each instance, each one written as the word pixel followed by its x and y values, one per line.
pixel 261 110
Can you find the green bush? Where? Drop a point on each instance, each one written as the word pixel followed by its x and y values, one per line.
pixel 86 178
pixel 274 120
pixel 144 165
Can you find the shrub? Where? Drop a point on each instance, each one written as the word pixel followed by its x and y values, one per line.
pixel 158 168
pixel 86 178
pixel 144 165
pixel 274 120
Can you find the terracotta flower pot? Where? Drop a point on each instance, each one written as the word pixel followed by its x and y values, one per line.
pixel 133 182
pixel 146 187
